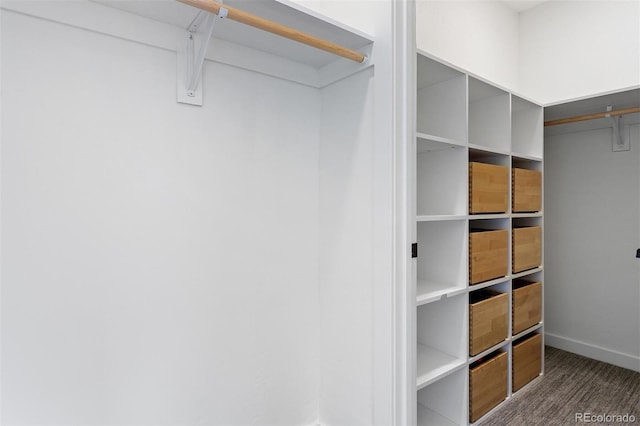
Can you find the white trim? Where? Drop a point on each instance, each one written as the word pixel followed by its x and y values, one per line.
pixel 631 362
pixel 1 210
pixel 405 229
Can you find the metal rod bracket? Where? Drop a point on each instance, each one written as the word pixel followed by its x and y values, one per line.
pixel 189 65
pixel 620 139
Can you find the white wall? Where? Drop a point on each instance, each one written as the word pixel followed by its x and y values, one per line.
pixel 362 15
pixel 592 278
pixel 480 37
pixel 573 49
pixel 346 269
pixel 357 203
pixel 160 261
pixel 556 51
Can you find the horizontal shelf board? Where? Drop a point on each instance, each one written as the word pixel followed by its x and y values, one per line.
pixel 488 351
pixel 527 272
pixel 525 215
pixel 489 283
pixel 163 24
pixel 280 11
pixel 427 417
pixel 527 331
pixel 489 216
pixel 517 155
pixel 429 291
pixel 428 142
pixel 480 150
pixel 431 365
pixel 440 217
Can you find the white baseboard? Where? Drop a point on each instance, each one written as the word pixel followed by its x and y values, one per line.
pixel 631 362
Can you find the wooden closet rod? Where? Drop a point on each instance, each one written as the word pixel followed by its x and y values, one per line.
pixel 592 116
pixel 275 28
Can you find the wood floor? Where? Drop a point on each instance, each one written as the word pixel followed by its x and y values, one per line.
pixel 573 386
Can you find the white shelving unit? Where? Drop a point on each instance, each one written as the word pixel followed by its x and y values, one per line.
pixel 445 195
pixel 527 129
pixel 460 119
pixel 441 101
pixel 489 124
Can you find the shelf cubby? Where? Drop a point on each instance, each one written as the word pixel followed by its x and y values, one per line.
pixel 442 253
pixel 442 181
pixel 441 100
pixel 489 116
pixel 527 135
pixel 437 407
pixel 441 339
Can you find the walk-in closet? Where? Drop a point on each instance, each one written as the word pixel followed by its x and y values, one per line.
pixel 319 212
